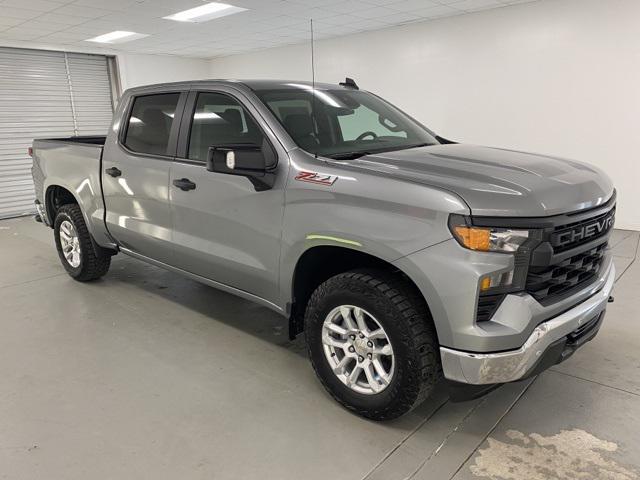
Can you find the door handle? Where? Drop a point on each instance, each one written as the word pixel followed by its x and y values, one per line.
pixel 113 171
pixel 184 184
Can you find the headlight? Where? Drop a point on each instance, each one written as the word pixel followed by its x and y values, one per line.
pixel 487 239
pixel 517 242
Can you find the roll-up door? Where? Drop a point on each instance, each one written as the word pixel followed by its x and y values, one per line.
pixel 45 94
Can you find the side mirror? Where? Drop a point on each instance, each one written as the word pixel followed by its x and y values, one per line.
pixel 255 162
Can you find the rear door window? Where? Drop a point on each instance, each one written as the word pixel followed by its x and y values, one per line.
pixel 149 123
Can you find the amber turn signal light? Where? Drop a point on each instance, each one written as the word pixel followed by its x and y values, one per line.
pixel 485 284
pixel 474 238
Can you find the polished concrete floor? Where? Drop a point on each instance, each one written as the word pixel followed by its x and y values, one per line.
pixel 148 375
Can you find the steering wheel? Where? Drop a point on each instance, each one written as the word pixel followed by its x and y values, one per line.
pixel 364 135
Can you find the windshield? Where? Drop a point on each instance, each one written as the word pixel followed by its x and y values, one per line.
pixel 343 123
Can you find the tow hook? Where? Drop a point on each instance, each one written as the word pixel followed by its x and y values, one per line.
pixel 611 299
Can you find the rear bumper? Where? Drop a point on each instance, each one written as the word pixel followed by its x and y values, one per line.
pixel 550 342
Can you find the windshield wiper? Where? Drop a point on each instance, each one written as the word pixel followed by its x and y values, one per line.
pixel 358 154
pixel 407 147
pixel 348 155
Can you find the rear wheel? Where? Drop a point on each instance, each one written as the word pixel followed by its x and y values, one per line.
pixel 75 248
pixel 372 343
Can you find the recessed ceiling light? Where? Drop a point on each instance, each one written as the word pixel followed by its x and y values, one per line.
pixel 205 12
pixel 119 36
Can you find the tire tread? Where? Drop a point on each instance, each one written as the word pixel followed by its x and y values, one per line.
pixel 419 337
pixel 93 265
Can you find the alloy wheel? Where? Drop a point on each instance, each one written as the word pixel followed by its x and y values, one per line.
pixel 358 349
pixel 70 243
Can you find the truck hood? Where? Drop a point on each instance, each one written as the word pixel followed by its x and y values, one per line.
pixel 496 182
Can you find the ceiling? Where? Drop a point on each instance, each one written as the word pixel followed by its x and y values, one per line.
pixel 66 24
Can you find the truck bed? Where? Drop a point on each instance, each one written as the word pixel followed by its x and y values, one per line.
pixel 74 164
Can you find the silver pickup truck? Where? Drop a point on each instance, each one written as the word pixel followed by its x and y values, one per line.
pixel 410 262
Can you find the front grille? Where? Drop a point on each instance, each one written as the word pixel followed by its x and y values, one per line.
pixel 575 234
pixel 563 255
pixel 553 282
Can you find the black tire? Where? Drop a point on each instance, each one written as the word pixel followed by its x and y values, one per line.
pixel 402 312
pixel 93 265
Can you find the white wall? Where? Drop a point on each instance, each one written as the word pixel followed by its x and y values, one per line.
pixel 554 76
pixel 137 69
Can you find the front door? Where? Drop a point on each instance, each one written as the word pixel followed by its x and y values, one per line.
pixel 224 229
pixel 135 176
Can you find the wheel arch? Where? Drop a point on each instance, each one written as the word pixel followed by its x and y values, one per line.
pixel 55 197
pixel 321 262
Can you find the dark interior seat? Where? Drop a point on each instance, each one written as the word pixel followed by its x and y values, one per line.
pixel 300 127
pixel 151 135
pixel 233 122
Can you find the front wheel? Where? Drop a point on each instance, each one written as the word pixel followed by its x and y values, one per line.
pixel 75 248
pixel 372 343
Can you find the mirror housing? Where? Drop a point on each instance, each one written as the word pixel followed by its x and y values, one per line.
pixel 256 162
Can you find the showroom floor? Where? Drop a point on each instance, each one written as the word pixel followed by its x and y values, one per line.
pixel 145 374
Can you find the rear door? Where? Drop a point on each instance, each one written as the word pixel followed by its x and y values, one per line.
pixel 136 174
pixel 224 229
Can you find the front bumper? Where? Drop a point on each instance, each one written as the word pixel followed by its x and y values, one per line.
pixel 539 350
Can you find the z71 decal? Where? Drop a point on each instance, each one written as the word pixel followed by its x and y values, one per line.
pixel 320 179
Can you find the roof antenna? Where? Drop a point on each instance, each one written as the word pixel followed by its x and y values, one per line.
pixel 314 123
pixel 349 83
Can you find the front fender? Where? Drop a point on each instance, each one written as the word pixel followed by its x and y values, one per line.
pixel 382 217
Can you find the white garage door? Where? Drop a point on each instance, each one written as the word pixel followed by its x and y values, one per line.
pixel 45 94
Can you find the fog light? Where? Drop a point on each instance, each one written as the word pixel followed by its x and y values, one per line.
pixel 496 280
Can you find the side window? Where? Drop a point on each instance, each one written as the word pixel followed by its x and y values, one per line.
pixel 219 119
pixel 150 123
pixel 362 120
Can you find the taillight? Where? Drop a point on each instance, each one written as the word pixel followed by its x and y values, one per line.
pixel 30 151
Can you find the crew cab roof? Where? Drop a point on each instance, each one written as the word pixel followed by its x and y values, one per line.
pixel 251 84
pixel 287 85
